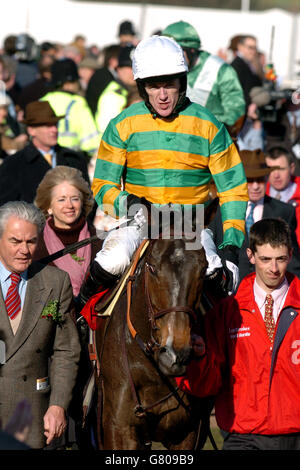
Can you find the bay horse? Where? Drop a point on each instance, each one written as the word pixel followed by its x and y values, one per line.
pixel 143 345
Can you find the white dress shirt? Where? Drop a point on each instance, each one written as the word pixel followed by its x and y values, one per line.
pixel 258 210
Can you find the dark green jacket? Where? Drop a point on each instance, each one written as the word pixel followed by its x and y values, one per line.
pixel 215 84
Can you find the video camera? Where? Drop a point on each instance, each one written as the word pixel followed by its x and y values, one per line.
pixel 273 100
pixel 26 48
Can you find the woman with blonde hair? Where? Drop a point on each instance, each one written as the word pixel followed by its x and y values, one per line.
pixel 66 200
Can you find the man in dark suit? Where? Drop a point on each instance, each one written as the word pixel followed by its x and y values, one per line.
pixel 243 65
pixel 263 207
pixel 41 340
pixel 21 173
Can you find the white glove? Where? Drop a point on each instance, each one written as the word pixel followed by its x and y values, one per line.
pixel 230 269
pixel 213 259
pixel 139 219
pixel 234 274
pixel 118 248
pixel 104 222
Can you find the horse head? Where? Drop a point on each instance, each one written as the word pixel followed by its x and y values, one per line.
pixel 152 342
pixel 173 283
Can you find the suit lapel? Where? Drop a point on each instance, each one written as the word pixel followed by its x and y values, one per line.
pixel 268 210
pixel 35 300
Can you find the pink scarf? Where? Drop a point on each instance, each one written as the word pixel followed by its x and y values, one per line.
pixel 75 269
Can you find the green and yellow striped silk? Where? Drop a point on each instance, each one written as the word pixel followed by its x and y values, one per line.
pixel 172 161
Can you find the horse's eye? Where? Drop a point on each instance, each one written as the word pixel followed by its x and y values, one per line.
pixel 151 269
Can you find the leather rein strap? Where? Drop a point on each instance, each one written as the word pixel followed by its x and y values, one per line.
pixel 131 278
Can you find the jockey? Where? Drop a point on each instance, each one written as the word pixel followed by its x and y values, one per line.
pixel 164 150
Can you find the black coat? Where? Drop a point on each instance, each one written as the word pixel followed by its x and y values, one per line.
pixel 272 208
pixel 97 84
pixel 247 78
pixel 33 92
pixel 21 173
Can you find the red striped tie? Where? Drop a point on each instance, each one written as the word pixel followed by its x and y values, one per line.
pixel 13 300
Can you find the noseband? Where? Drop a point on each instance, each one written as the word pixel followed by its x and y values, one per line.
pixel 160 313
pixel 151 346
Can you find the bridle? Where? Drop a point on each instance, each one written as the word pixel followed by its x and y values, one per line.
pixel 151 345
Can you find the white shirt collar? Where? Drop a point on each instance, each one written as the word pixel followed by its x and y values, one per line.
pixel 278 294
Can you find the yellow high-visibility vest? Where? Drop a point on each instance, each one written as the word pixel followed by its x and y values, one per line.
pixel 77 130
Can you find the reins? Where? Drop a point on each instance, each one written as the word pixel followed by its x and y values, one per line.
pixel 146 347
pixel 150 346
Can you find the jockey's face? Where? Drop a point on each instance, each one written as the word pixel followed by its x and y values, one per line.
pixel 163 96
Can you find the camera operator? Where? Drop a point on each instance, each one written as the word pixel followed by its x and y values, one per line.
pixel 291 119
pixel 251 134
pixel 273 111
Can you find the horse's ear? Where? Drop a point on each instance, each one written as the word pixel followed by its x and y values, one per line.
pixel 210 211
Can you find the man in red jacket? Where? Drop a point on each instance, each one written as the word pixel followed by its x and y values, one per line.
pixel 282 183
pixel 255 334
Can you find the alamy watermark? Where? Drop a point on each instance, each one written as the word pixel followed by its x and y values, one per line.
pixel 168 221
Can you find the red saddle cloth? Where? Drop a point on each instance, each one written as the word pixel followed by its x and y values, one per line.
pixel 88 311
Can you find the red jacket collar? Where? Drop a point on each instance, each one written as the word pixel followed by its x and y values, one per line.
pixel 245 294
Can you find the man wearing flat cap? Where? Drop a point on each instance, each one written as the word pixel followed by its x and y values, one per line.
pixel 21 173
pixel 260 206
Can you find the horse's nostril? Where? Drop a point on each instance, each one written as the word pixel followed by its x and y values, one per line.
pixel 183 357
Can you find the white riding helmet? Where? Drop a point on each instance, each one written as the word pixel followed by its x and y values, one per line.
pixel 158 56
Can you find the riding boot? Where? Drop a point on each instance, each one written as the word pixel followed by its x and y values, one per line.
pixel 96 280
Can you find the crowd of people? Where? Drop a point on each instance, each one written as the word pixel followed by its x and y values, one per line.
pixel 90 136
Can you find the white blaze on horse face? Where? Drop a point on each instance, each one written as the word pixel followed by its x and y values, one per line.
pixel 174 336
pixel 171 325
pixel 167 330
pixel 170 338
pixel 177 256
